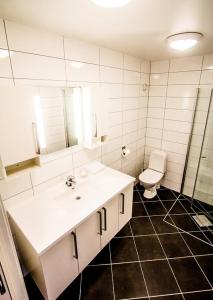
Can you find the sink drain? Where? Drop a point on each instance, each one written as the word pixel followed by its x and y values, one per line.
pixel 77 198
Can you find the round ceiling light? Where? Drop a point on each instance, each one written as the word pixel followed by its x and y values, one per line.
pixel 111 3
pixel 184 41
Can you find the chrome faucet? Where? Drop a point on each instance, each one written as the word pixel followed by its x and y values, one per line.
pixel 71 181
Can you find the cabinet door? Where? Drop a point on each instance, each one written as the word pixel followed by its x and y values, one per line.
pixel 109 221
pixel 60 266
pixel 4 293
pixel 125 205
pixel 88 240
pixel 17 141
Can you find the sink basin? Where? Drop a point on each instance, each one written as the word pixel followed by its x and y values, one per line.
pixel 82 193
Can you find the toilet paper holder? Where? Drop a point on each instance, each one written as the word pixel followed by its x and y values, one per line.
pixel 125 151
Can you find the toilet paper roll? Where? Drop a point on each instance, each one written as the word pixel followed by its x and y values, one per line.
pixel 125 152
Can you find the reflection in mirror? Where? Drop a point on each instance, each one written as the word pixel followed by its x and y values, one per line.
pixel 58 118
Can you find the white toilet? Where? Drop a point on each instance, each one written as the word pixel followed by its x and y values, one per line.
pixel 151 177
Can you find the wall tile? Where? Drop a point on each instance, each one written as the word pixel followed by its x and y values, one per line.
pixel 208 62
pixel 37 67
pixel 82 71
pixel 157 102
pixel 130 127
pixel 131 90
pixel 207 77
pixel 112 145
pixel 155 123
pixel 15 185
pixel 132 63
pixel 179 115
pixel 145 66
pixel 115 118
pixel 5 68
pixel 157 113
pixel 27 39
pixel 130 115
pixel 6 82
pixel 144 78
pixel 3 41
pixel 157 90
pixel 114 105
pixel 83 157
pixel 154 133
pixel 113 75
pixel 115 131
pixel 178 126
pixel 174 147
pixel 182 91
pixel 176 137
pixel 51 170
pixel 159 79
pixel 130 103
pixel 131 77
pixel 186 64
pixel 161 66
pixel 191 77
pixel 180 103
pixel 112 90
pixel 81 51
pixel 111 58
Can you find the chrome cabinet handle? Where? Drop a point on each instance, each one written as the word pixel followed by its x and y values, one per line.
pixel 2 287
pixel 105 218
pixel 75 244
pixel 35 134
pixel 123 204
pixel 100 222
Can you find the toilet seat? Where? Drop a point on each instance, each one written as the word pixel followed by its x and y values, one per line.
pixel 150 176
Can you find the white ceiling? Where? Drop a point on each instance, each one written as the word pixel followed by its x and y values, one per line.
pixel 140 28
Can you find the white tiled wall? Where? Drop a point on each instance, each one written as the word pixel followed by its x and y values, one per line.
pixel 41 58
pixel 172 97
pixel 158 117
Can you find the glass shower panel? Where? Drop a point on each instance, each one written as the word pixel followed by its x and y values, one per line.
pixel 203 190
pixel 196 217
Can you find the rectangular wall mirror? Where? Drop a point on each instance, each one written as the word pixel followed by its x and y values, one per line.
pixel 38 121
pixel 58 118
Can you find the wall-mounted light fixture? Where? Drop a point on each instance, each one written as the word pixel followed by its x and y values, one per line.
pixel 184 41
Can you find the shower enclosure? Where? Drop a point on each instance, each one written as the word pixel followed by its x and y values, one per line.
pixel 192 212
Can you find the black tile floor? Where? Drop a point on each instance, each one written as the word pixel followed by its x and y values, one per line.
pixel 148 258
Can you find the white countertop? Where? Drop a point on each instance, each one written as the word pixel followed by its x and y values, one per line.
pixel 47 217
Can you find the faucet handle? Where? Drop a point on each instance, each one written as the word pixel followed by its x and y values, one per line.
pixel 70 180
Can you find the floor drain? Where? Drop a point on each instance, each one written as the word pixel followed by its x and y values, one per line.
pixel 202 221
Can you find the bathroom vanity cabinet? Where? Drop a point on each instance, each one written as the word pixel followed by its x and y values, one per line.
pixel 55 263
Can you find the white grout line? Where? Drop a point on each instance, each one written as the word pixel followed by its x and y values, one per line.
pixel 80 287
pixel 196 261
pixel 113 287
pixel 147 291
pixel 148 260
pixel 166 257
pixel 11 66
pixel 188 232
pixel 167 295
pixel 186 242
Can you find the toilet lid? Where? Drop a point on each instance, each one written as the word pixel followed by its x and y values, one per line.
pixel 150 176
